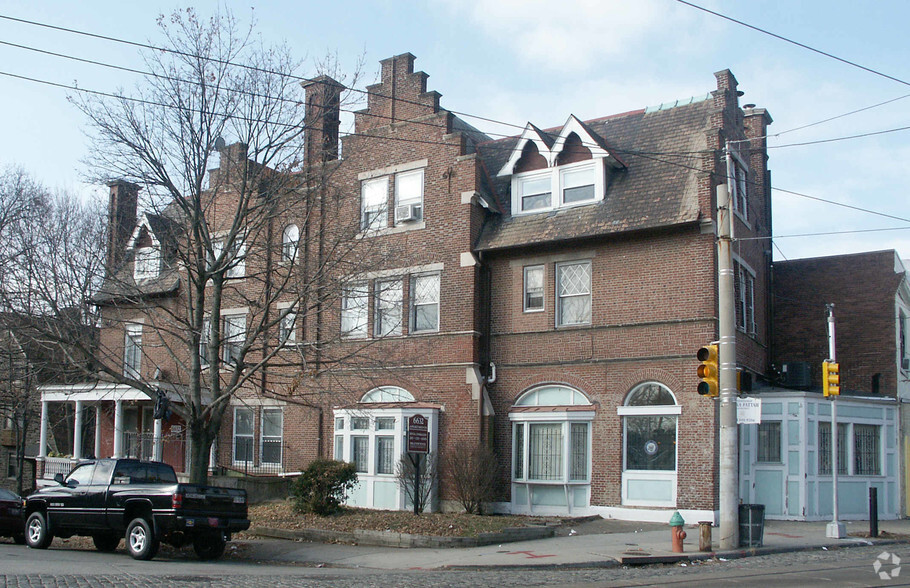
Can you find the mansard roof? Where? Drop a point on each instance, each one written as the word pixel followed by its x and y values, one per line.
pixel 652 181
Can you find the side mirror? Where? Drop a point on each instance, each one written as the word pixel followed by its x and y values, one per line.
pixel 58 478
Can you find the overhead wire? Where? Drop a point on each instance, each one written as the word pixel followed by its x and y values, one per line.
pixel 644 154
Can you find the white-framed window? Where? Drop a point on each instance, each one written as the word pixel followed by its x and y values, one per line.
pixel 272 436
pixel 360 453
pixel 354 309
pixel 573 293
pixel 769 442
pixel 425 302
pixel 649 428
pixel 205 338
pixel 409 196
pixel 387 305
pixel 290 241
pixel 551 447
pixel 235 262
pixel 867 459
pixel 535 191
pixel 374 203
pixel 533 292
pixel 287 328
pixel 243 435
pixel 385 454
pixel 577 183
pixel 233 334
pixel 132 350
pixel 744 294
pixel 565 185
pixel 146 263
pixel 339 439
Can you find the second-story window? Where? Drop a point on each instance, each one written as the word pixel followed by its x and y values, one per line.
pixel 132 351
pixel 744 293
pixel 533 288
pixel 740 191
pixel 290 240
pixel 287 328
pixel 425 302
pixel 573 292
pixel 374 202
pixel 387 305
pixel 235 262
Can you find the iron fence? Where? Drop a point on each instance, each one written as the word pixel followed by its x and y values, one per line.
pixel 268 459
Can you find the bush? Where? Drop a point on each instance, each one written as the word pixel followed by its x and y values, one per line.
pixel 323 486
pixel 428 479
pixel 475 474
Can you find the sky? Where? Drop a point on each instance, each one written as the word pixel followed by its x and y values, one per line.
pixel 519 61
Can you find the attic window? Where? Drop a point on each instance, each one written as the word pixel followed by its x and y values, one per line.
pixel 147 263
pixel 574 184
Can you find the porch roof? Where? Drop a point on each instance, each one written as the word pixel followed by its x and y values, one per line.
pixel 100 391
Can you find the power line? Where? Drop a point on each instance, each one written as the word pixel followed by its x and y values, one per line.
pixel 797 43
pixel 825 234
pixel 847 138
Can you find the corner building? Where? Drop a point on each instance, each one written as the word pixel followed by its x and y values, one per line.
pixel 543 294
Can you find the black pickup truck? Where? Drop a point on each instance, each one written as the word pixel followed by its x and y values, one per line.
pixel 141 501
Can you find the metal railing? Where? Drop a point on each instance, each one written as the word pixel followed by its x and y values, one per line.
pixel 245 459
pixel 57 465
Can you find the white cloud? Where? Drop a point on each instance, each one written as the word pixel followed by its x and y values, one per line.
pixel 576 35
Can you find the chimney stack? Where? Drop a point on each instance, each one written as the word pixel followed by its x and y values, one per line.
pixel 121 220
pixel 322 119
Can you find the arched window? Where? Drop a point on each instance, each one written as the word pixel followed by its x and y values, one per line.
pixel 650 416
pixel 388 394
pixel 551 448
pixel 289 242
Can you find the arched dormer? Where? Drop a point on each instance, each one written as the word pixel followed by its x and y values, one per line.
pixel 574 173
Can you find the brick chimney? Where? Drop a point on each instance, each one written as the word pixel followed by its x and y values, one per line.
pixel 322 119
pixel 121 220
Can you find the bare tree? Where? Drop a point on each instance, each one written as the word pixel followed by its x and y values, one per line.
pixel 225 266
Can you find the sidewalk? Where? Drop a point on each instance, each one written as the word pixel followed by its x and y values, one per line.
pixel 601 543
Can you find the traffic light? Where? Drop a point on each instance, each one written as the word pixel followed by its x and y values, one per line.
pixel 708 371
pixel 830 378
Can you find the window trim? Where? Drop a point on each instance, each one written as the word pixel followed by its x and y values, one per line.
pixel 556 175
pixel 263 436
pixel 287 334
pixel 769 453
pixel 558 297
pixel 418 200
pixel 413 304
pixel 146 263
pixel 361 311
pixel 231 341
pixel 290 247
pixel 381 221
pixel 384 306
pixel 543 288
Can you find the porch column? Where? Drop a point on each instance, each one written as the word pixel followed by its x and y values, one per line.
pixel 118 428
pixel 98 430
pixel 156 441
pixel 42 442
pixel 77 431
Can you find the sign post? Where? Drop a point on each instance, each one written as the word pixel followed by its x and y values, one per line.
pixel 418 443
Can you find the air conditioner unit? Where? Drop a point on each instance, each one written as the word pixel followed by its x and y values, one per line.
pixel 407 213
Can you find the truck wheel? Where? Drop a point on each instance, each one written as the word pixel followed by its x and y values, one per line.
pixel 106 542
pixel 140 539
pixel 37 534
pixel 209 546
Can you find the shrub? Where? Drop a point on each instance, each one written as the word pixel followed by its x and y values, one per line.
pixel 475 474
pixel 323 486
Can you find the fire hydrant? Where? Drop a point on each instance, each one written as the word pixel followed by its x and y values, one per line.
pixel 676 532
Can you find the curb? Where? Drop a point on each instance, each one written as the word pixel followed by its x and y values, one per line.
pixel 408 540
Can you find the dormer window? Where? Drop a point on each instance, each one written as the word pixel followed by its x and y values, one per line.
pixel 551 171
pixel 147 263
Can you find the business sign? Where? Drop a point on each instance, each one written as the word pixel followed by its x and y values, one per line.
pixel 418 434
pixel 748 411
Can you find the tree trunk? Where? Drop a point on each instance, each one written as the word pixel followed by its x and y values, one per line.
pixel 200 446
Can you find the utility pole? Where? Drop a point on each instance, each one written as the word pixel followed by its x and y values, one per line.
pixel 835 529
pixel 726 325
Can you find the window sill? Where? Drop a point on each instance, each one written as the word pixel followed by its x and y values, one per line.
pixel 400 228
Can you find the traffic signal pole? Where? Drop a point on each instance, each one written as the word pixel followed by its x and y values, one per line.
pixel 728 486
pixel 835 529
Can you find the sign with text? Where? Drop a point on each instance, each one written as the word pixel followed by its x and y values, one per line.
pixel 748 411
pixel 418 434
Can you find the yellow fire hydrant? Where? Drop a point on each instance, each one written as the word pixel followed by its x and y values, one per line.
pixel 676 532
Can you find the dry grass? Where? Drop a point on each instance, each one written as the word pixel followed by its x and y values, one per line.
pixel 281 514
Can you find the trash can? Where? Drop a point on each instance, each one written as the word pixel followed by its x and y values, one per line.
pixel 751 524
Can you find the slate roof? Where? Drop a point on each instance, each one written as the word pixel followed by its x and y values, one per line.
pixel 653 190
pixel 120 285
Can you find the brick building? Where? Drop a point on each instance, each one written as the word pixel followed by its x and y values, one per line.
pixel 786 461
pixel 544 294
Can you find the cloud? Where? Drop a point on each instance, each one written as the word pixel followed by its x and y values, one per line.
pixel 575 35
